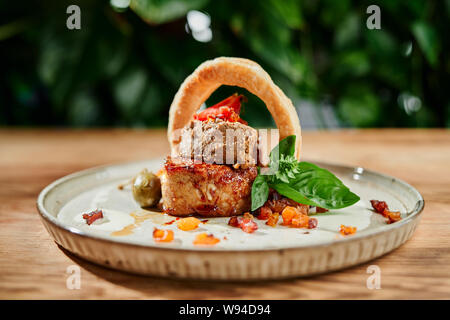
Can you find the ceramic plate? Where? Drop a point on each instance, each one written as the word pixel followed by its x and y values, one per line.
pixel 123 239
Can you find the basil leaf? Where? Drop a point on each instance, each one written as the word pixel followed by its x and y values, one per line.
pixel 322 187
pixel 260 192
pixel 285 147
pixel 289 192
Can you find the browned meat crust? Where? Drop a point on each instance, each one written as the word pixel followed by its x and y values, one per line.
pixel 209 190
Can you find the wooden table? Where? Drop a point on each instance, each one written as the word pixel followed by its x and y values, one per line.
pixel 32 266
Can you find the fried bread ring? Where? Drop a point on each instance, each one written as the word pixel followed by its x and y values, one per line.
pixel 240 72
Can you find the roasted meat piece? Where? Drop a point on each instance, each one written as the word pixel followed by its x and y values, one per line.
pixel 208 190
pixel 219 142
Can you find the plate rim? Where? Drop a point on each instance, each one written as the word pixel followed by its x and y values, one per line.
pixel 48 218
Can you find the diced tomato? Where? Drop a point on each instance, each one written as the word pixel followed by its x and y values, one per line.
pixel 347 230
pixel 273 219
pixel 92 216
pixel 205 239
pixel 288 214
pixel 300 221
pixel 296 218
pixel 160 235
pixel 234 102
pixel 189 223
pixel 227 110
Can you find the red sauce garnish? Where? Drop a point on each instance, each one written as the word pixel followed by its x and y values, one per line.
pixel 204 221
pixel 170 222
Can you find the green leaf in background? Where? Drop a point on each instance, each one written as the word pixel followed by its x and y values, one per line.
pixel 128 91
pixel 83 110
pixel 288 10
pixel 428 41
pixel 161 11
pixel 354 63
pixel 318 51
pixel 360 107
pixel 348 31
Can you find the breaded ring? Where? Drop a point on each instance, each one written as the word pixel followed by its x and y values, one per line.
pixel 240 72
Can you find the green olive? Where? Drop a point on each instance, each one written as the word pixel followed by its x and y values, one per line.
pixel 146 189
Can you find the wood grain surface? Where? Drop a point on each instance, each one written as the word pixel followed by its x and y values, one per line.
pixel 32 266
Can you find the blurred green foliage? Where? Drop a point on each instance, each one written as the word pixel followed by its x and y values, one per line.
pixel 125 64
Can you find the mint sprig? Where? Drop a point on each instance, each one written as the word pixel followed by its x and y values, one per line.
pixel 302 182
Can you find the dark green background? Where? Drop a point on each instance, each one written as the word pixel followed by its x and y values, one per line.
pixel 124 66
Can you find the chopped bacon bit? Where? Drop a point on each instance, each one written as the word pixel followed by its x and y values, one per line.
pixel 382 208
pixel 248 215
pixel 379 206
pixel 246 223
pixel 234 222
pixel 92 216
pixel 296 218
pixel 264 213
pixel 321 210
pixel 280 204
pixel 189 223
pixel 273 219
pixel 393 216
pixel 162 235
pixel 312 223
pixel 347 230
pixel 205 239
